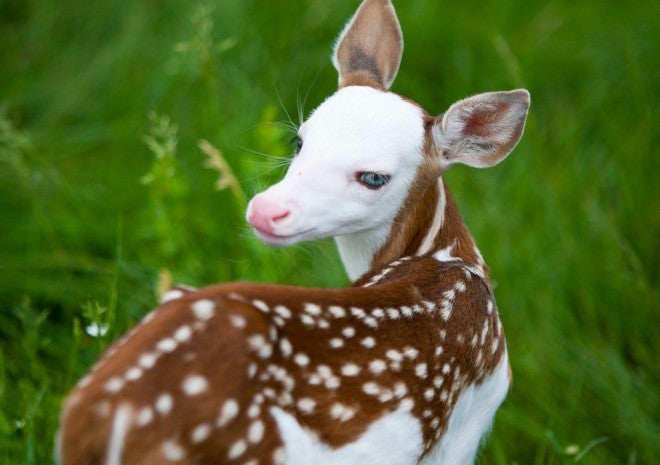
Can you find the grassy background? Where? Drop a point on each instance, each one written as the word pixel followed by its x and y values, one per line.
pixel 105 194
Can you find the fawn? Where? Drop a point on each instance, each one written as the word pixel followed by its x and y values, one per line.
pixel 408 365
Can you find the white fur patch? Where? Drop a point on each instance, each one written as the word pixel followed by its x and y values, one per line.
pixel 120 426
pixel 394 439
pixel 470 420
pixel 358 129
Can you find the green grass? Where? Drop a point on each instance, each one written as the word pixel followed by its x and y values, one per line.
pixel 104 191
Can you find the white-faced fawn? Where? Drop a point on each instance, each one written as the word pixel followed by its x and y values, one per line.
pixel 406 366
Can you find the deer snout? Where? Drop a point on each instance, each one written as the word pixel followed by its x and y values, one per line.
pixel 265 215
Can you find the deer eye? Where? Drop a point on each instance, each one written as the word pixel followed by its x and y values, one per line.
pixel 373 180
pixel 297 142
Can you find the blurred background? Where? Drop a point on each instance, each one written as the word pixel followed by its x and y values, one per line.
pixel 132 134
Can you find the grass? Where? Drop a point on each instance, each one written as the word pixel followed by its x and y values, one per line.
pixel 106 191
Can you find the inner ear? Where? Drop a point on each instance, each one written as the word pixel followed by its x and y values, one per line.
pixel 370 46
pixel 481 131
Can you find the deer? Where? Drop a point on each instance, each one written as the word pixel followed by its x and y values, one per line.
pixel 406 365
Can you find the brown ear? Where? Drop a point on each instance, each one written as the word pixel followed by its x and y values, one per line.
pixel 480 131
pixel 370 46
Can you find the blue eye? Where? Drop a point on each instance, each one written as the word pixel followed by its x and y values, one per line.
pixel 373 180
pixel 298 143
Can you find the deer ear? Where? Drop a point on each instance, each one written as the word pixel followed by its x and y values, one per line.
pixel 481 131
pixel 370 46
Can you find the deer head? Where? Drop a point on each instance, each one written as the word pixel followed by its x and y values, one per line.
pixel 366 152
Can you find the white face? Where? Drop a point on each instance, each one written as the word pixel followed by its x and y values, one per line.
pixel 360 151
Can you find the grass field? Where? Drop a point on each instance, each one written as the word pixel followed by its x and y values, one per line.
pixel 106 195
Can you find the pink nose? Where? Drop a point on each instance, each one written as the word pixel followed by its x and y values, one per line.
pixel 264 214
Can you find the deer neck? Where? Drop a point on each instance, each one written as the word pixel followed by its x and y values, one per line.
pixel 430 226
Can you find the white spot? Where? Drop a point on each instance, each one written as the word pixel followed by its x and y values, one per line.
pixel 341 412
pixel 279 456
pixel 385 396
pixel 194 385
pixel 357 312
pixel 200 433
pixel 236 296
pixel 306 405
pixel 133 374
pixel 183 333
pixel 253 411
pixel 348 332
pixel 261 305
pixel 350 369
pixel 173 451
pixel 400 389
pixel 444 255
pixel 336 311
pixel 377 366
pixel 460 286
pixel 411 352
pixel 282 311
pixel 332 382
pixel 437 381
pixel 446 368
pixel 203 309
pixel 484 332
pixel 313 309
pixel 114 385
pixel 377 313
pixel 370 388
pixel 256 432
pixel 325 371
pixel 164 404
pixel 406 311
pixel 496 344
pixel 336 342
pixel 306 319
pixel 171 295
pixel 393 313
pixel 429 393
pixel 301 359
pixel 228 412
pixel 237 449
pixel 446 309
pixel 489 308
pixel 368 342
pixel 259 344
pixel 394 355
pixel 252 370
pixel 285 347
pixel 166 345
pixel 144 416
pixel 407 404
pixel 237 321
pixel 147 360
pixel 84 381
pixel 370 321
